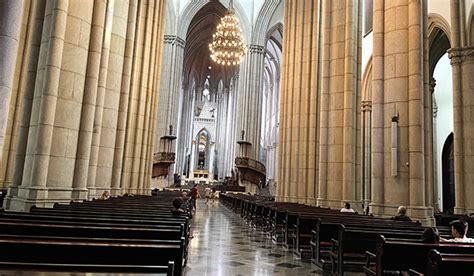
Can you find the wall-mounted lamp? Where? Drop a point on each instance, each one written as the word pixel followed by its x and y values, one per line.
pixel 394 167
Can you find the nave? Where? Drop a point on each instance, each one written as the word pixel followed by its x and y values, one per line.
pixel 224 244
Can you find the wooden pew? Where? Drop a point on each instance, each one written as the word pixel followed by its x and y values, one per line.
pixel 449 263
pixel 402 255
pixel 56 253
pixel 128 222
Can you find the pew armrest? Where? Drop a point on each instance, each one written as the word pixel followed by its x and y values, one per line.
pixel 413 272
pixel 369 262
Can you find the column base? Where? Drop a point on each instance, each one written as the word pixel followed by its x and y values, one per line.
pixel 27 198
pixel 92 193
pixel 80 194
pixel 461 210
pixel 115 192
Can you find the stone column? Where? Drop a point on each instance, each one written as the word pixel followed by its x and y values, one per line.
pixel 436 180
pixel 89 99
pixel 250 98
pixel 340 104
pixel 11 12
pixel 27 87
pixel 118 186
pixel 170 88
pixel 399 98
pixel 378 117
pixel 183 119
pixel 99 107
pixel 299 103
pixel 366 176
pixel 462 62
pixel 35 175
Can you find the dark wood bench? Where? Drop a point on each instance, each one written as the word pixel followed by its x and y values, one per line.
pixel 449 263
pixel 35 253
pixel 402 255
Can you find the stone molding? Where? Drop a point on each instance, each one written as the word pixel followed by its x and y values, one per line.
pixel 459 55
pixel 174 40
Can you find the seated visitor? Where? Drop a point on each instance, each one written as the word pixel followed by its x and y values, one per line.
pixel 459 231
pixel 105 195
pixel 347 208
pixel 177 207
pixel 402 214
pixel 430 235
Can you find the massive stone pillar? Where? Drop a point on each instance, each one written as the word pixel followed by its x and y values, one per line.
pixel 42 123
pixel 399 84
pixel 26 91
pixel 74 107
pixel 10 22
pixel 99 18
pixel 249 120
pixel 339 179
pixel 99 109
pixel 168 105
pixel 11 15
pixel 462 62
pixel 299 103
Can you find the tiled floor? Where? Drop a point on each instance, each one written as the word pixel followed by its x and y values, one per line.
pixel 224 245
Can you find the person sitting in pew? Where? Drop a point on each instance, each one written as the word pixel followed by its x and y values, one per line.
pixel 177 204
pixel 347 208
pixel 430 235
pixel 105 195
pixel 402 214
pixel 458 230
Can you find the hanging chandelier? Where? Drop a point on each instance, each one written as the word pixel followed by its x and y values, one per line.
pixel 228 44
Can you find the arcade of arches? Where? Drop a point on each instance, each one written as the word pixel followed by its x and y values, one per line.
pixel 367 102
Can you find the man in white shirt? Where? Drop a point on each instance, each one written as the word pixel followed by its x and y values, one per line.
pixel 347 208
pixel 458 230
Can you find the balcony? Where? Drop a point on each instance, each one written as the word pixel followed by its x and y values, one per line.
pixel 251 170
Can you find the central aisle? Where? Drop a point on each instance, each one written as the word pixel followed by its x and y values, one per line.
pixel 224 245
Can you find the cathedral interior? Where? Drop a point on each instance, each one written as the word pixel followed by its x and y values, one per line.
pixel 367 102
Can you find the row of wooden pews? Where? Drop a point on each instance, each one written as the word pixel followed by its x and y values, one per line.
pixel 134 234
pixel 339 241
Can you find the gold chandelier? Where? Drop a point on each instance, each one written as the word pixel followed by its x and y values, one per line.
pixel 228 44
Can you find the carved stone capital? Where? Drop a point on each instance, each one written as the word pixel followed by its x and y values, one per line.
pixel 432 84
pixel 459 55
pixel 256 49
pixel 366 105
pixel 174 40
pixel 435 108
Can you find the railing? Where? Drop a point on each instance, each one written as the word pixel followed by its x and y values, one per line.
pixel 250 164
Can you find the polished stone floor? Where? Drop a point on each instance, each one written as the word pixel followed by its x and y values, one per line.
pixel 224 245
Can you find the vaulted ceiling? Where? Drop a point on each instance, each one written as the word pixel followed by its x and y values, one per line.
pixel 197 58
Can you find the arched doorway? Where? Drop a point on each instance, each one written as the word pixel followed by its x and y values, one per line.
pixel 441 103
pixel 448 174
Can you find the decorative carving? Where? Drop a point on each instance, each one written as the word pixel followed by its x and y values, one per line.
pixel 459 55
pixel 435 108
pixel 174 40
pixel 256 49
pixel 432 84
pixel 250 170
pixel 164 157
pixel 366 105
